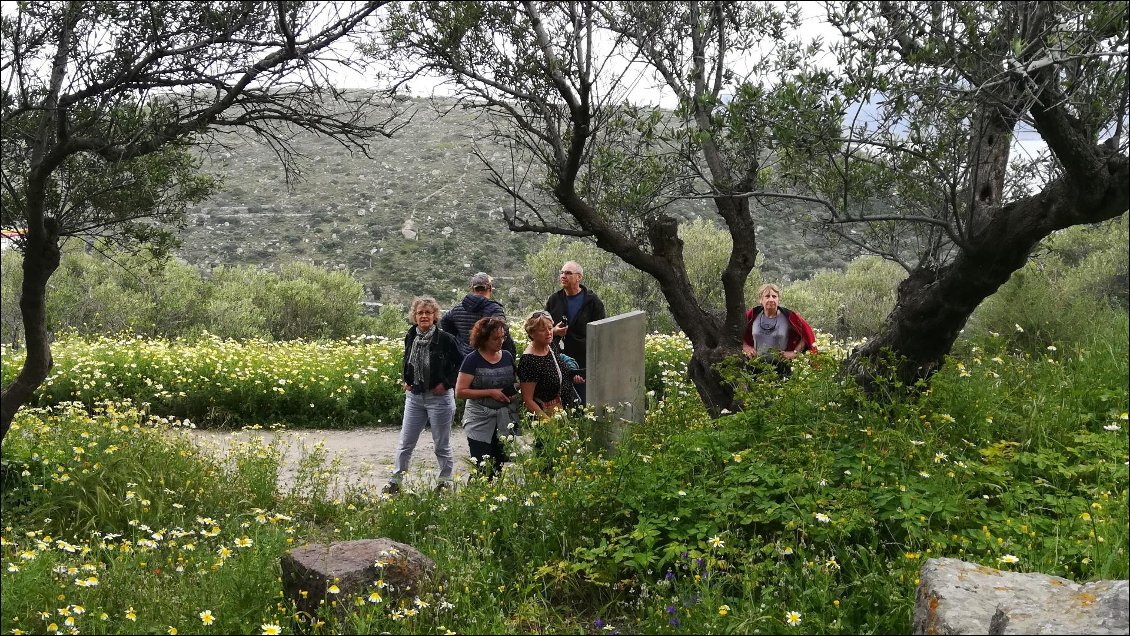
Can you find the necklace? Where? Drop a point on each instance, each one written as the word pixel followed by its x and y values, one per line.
pixel 767 326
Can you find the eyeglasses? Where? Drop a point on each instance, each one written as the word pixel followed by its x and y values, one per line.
pixel 566 272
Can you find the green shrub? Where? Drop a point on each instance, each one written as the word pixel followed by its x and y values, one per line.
pixel 96 293
pixel 391 322
pixel 849 305
pixel 229 308
pixel 174 294
pixel 11 280
pixel 309 302
pixel 1072 290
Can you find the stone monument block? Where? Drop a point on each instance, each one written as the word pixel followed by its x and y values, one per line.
pixel 615 374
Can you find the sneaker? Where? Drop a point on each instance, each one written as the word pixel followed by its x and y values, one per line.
pixel 391 488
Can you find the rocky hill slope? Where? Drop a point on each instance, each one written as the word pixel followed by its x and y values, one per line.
pixel 417 216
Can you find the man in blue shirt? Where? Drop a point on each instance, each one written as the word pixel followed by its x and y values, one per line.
pixel 572 308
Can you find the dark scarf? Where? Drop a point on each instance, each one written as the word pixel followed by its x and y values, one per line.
pixel 421 356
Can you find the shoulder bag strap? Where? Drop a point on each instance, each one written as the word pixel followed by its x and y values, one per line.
pixel 560 377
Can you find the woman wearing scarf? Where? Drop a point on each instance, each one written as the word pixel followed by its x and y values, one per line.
pixel 431 363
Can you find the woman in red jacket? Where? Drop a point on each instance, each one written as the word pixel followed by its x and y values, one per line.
pixel 775 333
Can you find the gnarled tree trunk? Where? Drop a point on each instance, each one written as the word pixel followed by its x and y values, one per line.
pixel 41 259
pixel 933 306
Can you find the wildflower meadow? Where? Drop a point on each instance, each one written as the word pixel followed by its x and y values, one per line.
pixel 809 512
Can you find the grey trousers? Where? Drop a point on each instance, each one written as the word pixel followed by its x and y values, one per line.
pixel 420 409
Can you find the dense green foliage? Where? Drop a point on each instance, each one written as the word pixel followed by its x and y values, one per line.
pixel 848 304
pixel 94 294
pixel 1079 276
pixel 815 500
pixel 1084 268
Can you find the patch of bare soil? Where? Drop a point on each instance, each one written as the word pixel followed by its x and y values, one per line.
pixel 354 458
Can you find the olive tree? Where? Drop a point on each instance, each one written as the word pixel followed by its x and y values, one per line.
pixel 586 162
pixel 902 146
pixel 927 170
pixel 101 102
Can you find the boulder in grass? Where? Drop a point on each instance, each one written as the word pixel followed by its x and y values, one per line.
pixel 957 597
pixel 393 570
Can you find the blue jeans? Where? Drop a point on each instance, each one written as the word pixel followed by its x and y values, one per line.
pixel 420 409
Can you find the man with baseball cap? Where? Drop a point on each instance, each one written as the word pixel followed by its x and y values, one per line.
pixel 475 305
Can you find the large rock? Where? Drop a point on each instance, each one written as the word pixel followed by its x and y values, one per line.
pixel 355 567
pixel 956 597
pixel 409 230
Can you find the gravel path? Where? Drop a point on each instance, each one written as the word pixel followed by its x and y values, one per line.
pixel 365 454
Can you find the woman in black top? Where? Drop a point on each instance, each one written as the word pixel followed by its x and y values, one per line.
pixel 542 374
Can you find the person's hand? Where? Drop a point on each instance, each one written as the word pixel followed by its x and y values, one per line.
pixel 560 329
pixel 748 350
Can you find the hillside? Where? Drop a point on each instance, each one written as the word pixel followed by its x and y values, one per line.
pixel 418 216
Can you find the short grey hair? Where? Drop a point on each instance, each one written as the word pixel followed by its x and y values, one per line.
pixel 423 301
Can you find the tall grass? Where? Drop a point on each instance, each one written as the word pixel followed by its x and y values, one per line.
pixel 812 511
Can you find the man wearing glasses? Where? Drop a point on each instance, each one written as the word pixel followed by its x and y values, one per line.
pixel 572 308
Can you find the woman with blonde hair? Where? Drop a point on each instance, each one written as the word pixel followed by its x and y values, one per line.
pixel 431 362
pixel 544 378
pixel 774 333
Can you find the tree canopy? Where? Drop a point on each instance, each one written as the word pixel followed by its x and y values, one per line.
pixel 902 146
pixel 101 101
pixel 936 178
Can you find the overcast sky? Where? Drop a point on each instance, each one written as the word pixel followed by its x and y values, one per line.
pixel 644 89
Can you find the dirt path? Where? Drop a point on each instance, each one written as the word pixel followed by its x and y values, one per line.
pixel 365 455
